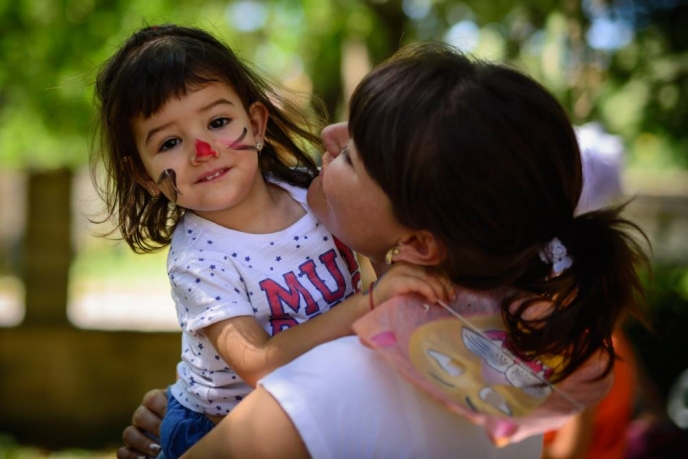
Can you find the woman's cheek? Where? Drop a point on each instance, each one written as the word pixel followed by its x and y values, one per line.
pixel 332 189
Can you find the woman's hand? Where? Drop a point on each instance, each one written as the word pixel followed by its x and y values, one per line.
pixel 403 278
pixel 141 437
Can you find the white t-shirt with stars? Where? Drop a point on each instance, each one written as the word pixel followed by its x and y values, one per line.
pixel 281 279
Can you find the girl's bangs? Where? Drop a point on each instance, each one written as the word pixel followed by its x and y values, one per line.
pixel 159 76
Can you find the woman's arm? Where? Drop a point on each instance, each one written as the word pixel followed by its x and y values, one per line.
pixel 256 428
pixel 245 346
pixel 573 439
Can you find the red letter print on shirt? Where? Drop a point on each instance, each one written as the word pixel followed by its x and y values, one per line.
pixel 278 297
pixel 328 259
pixel 285 301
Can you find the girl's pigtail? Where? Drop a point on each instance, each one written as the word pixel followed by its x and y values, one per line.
pixel 591 297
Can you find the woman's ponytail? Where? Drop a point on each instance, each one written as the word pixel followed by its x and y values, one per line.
pixel 590 298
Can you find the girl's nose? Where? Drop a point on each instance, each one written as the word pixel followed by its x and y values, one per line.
pixel 203 152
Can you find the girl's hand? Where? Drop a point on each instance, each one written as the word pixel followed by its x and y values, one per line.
pixel 141 437
pixel 403 278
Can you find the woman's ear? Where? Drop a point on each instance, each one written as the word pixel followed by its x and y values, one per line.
pixel 420 248
pixel 259 115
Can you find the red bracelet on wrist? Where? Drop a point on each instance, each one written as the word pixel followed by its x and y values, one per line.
pixel 370 295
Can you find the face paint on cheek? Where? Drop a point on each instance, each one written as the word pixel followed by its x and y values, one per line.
pixel 236 144
pixel 168 184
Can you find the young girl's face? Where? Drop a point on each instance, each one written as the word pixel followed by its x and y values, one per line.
pixel 199 149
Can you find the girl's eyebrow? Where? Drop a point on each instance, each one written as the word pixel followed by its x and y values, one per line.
pixel 156 129
pixel 215 103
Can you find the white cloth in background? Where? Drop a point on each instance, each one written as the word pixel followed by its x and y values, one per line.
pixel 602 155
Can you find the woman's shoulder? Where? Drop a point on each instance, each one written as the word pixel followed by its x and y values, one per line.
pixel 346 401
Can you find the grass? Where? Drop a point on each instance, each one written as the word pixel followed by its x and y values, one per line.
pixel 10 450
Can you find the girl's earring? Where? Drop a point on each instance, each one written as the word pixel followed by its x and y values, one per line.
pixel 389 256
pixel 259 147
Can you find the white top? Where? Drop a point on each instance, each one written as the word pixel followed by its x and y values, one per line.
pixel 602 156
pixel 347 402
pixel 281 279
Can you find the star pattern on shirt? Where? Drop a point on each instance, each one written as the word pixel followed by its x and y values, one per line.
pixel 223 274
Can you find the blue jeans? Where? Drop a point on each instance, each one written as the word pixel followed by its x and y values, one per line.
pixel 181 428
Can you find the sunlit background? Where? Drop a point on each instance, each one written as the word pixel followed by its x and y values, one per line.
pixel 86 326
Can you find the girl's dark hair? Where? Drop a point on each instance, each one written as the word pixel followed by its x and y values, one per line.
pixel 153 65
pixel 486 159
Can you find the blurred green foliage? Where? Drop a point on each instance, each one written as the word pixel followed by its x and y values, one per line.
pixel 51 49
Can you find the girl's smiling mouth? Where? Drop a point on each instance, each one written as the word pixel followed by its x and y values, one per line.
pixel 213 175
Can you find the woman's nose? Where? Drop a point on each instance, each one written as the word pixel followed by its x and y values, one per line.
pixel 202 152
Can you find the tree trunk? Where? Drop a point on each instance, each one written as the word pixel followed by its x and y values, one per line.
pixel 47 250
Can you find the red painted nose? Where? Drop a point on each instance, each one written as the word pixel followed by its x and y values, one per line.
pixel 203 149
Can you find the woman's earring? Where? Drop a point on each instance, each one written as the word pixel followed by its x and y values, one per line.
pixel 389 256
pixel 259 147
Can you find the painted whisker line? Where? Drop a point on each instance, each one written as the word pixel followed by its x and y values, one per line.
pixel 241 137
pixel 237 145
pixel 168 183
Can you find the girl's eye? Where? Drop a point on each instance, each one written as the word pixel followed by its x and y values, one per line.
pixel 219 122
pixel 169 144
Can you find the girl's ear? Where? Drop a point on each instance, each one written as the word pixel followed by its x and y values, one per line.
pixel 258 115
pixel 420 248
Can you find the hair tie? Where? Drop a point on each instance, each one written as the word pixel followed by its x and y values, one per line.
pixel 554 253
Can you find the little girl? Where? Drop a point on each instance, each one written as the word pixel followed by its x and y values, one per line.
pixel 202 155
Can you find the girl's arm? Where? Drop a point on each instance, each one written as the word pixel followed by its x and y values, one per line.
pixel 252 353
